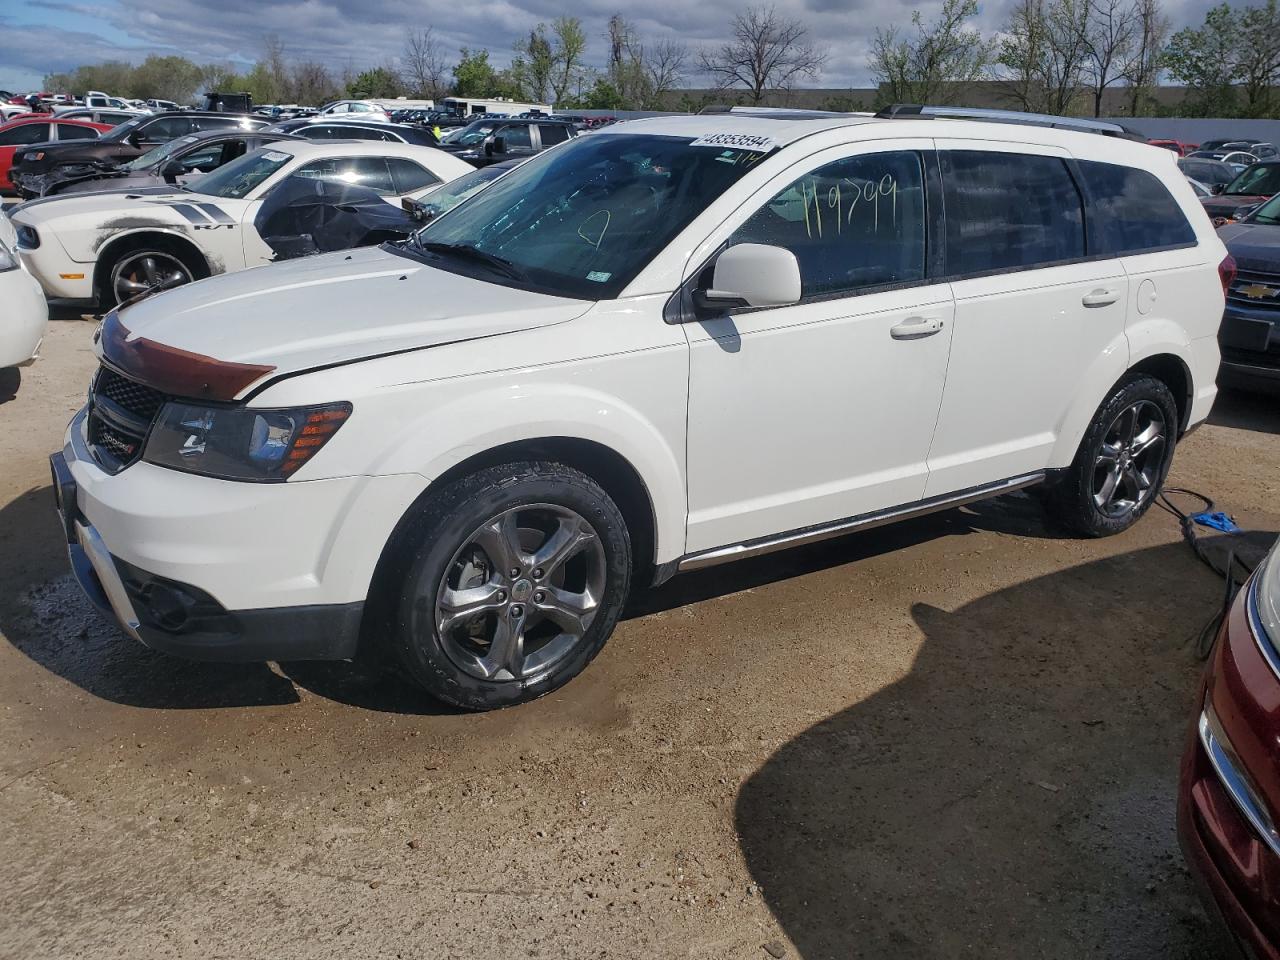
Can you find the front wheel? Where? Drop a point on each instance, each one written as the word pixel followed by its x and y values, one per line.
pixel 142 272
pixel 1122 461
pixel 513 579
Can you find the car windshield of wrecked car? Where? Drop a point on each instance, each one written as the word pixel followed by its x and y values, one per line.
pixel 116 134
pixel 1268 213
pixel 156 155
pixel 583 219
pixel 241 176
pixel 1258 180
pixel 470 136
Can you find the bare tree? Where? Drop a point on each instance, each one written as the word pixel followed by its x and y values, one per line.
pixel 313 84
pixel 1045 53
pixel 664 65
pixel 1109 38
pixel 1142 69
pixel 423 65
pixel 277 68
pixel 643 73
pixel 767 52
pixel 939 63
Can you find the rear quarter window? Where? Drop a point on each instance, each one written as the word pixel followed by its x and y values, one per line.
pixel 1131 211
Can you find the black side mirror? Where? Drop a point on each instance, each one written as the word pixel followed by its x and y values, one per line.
pixel 499 145
pixel 135 139
pixel 1217 188
pixel 172 170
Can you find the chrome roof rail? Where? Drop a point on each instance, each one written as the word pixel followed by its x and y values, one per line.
pixel 1107 128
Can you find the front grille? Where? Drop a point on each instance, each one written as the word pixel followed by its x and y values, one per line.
pixel 1256 290
pixel 121 412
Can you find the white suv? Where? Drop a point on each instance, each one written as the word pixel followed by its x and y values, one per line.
pixel 674 343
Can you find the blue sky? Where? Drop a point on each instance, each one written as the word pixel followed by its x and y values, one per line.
pixel 46 36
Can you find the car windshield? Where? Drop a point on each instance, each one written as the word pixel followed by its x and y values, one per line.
pixel 241 176
pixel 471 134
pixel 1267 213
pixel 123 130
pixel 583 220
pixel 155 156
pixel 1258 180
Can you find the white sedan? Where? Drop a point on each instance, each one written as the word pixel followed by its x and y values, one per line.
pixel 110 247
pixel 24 314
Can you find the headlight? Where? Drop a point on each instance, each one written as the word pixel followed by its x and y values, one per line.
pixel 8 259
pixel 33 157
pixel 238 443
pixel 28 238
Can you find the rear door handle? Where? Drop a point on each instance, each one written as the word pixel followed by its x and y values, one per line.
pixel 915 328
pixel 1100 298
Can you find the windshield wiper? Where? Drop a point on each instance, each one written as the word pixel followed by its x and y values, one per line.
pixel 465 251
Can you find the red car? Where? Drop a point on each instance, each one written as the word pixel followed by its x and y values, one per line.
pixel 25 131
pixel 1229 796
pixel 1177 146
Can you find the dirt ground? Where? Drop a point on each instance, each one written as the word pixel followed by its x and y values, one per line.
pixel 957 737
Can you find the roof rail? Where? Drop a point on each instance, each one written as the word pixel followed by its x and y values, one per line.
pixel 1107 128
pixel 773 113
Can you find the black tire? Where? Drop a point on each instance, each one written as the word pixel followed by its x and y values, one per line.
pixel 1074 500
pixel 426 553
pixel 194 266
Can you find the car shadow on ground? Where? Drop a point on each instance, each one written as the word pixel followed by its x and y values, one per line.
pixel 1246 411
pixel 54 624
pixel 1016 789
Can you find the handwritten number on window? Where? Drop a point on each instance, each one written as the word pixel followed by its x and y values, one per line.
pixel 869 199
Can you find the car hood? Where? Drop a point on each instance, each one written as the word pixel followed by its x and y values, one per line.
pixel 165 203
pixel 1255 246
pixel 1224 206
pixel 336 308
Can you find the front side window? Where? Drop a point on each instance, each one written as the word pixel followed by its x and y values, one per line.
pixel 240 177
pixel 583 220
pixel 368 172
pixel 166 128
pixel 517 136
pixel 1009 211
pixel 409 176
pixel 852 224
pixel 1131 211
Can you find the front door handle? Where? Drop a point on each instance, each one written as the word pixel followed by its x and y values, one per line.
pixel 915 328
pixel 1100 298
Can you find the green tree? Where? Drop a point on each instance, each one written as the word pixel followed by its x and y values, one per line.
pixel 378 82
pixel 568 43
pixel 938 63
pixel 473 75
pixel 534 63
pixel 166 78
pixel 1204 59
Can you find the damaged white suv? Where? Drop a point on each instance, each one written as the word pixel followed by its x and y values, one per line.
pixel 674 343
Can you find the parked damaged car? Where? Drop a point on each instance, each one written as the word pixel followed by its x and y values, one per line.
pixel 110 247
pixel 1250 333
pixel 337 128
pixel 170 164
pixel 1258 183
pixel 124 142
pixel 489 141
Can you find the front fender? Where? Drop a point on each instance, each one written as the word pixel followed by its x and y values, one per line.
pixel 476 422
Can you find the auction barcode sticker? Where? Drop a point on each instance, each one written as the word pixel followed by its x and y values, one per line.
pixel 738 141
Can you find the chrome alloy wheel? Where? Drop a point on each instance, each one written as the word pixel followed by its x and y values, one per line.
pixel 1128 464
pixel 521 592
pixel 147 271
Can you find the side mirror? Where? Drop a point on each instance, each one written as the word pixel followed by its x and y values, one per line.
pixel 499 145
pixel 1218 188
pixel 135 139
pixel 172 170
pixel 752 275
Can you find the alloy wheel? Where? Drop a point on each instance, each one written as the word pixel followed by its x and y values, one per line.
pixel 521 592
pixel 146 272
pixel 1129 462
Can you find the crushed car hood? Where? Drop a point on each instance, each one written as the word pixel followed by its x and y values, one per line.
pixel 335 308
pixel 1223 206
pixel 1256 246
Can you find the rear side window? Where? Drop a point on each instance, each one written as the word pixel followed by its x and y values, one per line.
pixel 1009 211
pixel 852 224
pixel 1131 211
pixel 553 133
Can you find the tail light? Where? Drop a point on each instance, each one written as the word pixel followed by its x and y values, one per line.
pixel 1227 272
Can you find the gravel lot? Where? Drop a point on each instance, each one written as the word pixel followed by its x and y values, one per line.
pixel 956 737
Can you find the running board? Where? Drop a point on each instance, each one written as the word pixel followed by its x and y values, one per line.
pixel 838 528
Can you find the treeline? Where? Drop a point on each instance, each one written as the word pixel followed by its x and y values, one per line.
pixel 1050 56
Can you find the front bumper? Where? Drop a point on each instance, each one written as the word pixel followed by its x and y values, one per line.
pixel 1225 794
pixel 1250 341
pixel 24 318
pixel 213 569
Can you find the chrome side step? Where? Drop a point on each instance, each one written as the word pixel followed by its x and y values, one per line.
pixel 838 528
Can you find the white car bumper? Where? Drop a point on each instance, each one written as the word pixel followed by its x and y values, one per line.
pixel 221 570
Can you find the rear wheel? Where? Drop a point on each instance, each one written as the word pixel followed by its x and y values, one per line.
pixel 1122 461
pixel 513 579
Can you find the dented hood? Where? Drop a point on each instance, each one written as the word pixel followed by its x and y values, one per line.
pixel 336 308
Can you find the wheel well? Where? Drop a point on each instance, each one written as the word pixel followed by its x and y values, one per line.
pixel 608 468
pixel 1171 371
pixel 179 246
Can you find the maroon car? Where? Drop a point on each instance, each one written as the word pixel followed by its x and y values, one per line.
pixel 1255 184
pixel 1229 797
